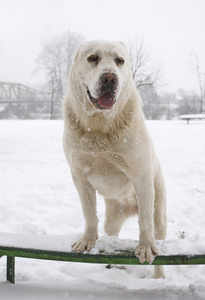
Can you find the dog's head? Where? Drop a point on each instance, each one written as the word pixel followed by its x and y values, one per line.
pixel 100 72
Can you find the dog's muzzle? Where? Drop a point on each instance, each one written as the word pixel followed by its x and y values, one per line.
pixel 108 83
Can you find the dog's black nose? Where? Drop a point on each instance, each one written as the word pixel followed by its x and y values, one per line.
pixel 109 78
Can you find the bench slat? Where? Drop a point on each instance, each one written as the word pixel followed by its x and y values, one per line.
pixel 118 257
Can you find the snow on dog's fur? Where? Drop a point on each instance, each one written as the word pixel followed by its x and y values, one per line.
pixel 109 149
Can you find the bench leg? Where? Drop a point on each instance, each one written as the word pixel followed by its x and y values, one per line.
pixel 11 269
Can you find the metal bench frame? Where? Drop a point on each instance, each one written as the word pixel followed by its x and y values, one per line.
pixel 118 257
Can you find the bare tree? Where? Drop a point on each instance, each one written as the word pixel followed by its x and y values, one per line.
pixel 145 73
pixel 55 60
pixel 147 78
pixel 199 77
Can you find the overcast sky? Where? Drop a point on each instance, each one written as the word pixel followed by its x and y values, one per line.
pixel 171 29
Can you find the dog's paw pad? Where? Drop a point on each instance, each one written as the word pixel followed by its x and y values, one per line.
pixel 83 245
pixel 146 253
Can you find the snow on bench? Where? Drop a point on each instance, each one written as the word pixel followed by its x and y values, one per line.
pixel 57 248
pixel 192 117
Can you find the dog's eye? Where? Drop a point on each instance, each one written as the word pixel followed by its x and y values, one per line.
pixel 93 58
pixel 119 61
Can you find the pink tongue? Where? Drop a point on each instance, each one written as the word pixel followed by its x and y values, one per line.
pixel 106 101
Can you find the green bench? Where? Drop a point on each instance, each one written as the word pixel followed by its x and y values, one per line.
pixel 118 257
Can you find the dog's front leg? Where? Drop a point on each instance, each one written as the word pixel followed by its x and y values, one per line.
pixel 145 193
pixel 88 200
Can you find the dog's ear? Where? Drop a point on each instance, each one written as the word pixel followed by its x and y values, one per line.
pixel 121 43
pixel 77 53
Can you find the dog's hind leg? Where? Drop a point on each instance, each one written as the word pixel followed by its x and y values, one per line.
pixel 116 213
pixel 160 223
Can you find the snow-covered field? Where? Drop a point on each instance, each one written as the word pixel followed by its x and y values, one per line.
pixel 38 199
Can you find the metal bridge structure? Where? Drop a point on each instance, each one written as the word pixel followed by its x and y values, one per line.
pixel 17 92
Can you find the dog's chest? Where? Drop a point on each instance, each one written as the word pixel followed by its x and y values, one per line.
pixel 94 142
pixel 107 173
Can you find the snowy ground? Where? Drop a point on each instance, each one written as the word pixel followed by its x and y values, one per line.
pixel 37 198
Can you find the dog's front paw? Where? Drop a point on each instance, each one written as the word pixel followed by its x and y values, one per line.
pixel 146 252
pixel 83 244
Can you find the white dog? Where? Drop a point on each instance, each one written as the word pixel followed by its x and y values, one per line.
pixel 109 150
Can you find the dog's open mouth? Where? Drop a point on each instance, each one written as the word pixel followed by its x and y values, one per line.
pixel 106 101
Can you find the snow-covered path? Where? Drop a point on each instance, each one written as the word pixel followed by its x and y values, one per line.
pixel 37 197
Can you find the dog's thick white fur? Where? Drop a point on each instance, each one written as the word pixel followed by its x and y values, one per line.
pixel 109 149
